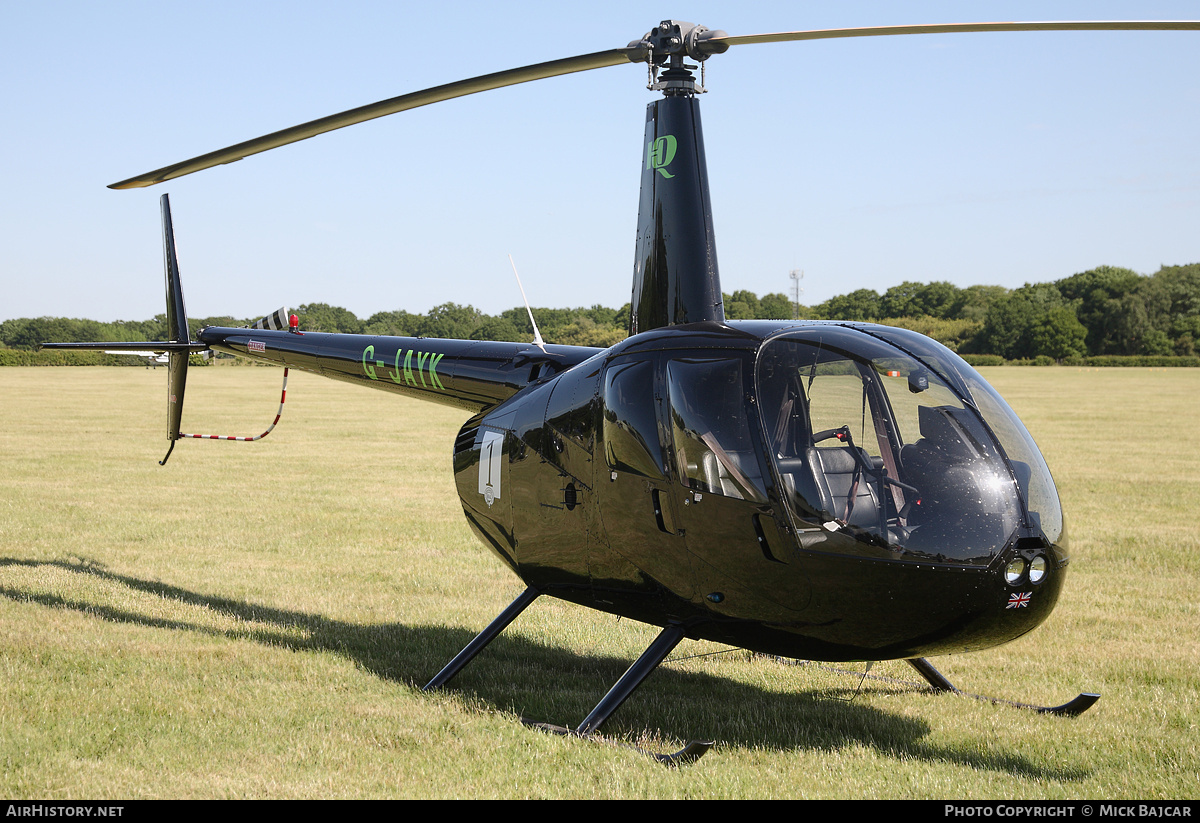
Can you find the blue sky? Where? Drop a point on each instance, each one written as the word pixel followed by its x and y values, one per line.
pixel 998 158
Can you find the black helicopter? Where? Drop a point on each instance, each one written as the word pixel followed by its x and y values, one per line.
pixel 791 488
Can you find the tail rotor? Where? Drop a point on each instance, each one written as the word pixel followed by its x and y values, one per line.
pixel 177 329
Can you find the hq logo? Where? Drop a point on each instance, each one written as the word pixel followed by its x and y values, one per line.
pixel 659 154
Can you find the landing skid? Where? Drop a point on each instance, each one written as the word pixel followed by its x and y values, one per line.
pixel 1072 708
pixel 666 641
pixel 649 660
pixel 938 682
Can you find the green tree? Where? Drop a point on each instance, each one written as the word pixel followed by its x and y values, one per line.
pixel 585 332
pixel 624 317
pixel 1012 320
pixel 322 317
pixel 1058 333
pixel 1099 295
pixel 940 299
pixel 910 299
pixel 604 316
pixel 861 304
pixel 974 302
pixel 397 323
pixel 901 301
pixel 775 306
pixel 1180 286
pixel 955 335
pixel 499 328
pixel 29 333
pixel 450 321
pixel 741 305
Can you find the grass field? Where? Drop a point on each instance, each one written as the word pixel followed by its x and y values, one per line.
pixel 256 620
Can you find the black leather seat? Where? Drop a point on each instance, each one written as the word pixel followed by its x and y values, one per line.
pixel 834 470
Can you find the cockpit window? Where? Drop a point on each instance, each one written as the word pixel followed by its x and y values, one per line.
pixel 870 443
pixel 1033 475
pixel 631 440
pixel 710 431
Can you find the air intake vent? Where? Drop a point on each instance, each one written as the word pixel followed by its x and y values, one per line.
pixel 466 436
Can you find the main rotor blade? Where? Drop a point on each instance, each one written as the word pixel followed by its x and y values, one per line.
pixel 955 28
pixel 461 88
pixel 635 52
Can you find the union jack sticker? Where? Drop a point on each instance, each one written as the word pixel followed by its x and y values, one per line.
pixel 1018 600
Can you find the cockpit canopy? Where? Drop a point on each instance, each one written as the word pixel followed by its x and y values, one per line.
pixel 888 436
pixel 880 439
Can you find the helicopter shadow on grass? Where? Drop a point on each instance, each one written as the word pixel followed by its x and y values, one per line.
pixel 553 683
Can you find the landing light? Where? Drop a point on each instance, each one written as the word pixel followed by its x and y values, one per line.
pixel 1037 569
pixel 1014 571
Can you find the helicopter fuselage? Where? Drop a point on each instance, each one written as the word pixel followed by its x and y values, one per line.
pixel 711 515
pixel 600 478
pixel 814 490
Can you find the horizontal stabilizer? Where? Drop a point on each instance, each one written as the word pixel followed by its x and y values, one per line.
pixel 131 346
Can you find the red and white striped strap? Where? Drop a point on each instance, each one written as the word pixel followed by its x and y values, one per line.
pixel 282 398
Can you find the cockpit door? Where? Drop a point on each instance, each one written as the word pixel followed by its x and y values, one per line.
pixel 639 512
pixel 717 464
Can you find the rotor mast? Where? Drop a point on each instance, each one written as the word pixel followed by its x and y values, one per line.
pixel 675 278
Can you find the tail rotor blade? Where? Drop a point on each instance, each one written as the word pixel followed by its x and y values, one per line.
pixel 177 328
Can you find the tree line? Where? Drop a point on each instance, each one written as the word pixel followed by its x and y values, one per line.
pixel 1103 311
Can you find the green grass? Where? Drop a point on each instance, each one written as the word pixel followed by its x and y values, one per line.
pixel 256 619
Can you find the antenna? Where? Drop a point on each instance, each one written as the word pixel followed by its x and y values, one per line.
pixel 797 275
pixel 537 335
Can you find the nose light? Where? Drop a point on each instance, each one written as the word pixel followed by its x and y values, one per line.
pixel 1037 569
pixel 1029 566
pixel 1014 571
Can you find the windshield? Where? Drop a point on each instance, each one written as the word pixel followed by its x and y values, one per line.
pixel 1033 475
pixel 872 443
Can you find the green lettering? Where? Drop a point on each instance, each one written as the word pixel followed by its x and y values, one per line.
pixel 660 152
pixel 421 357
pixel 395 375
pixel 368 352
pixel 408 375
pixel 433 361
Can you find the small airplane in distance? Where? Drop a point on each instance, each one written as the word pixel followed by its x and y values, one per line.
pixel 818 490
pixel 153 359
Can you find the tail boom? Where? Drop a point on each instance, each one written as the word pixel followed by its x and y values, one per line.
pixel 466 374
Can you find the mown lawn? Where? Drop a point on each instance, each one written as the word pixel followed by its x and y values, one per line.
pixel 256 620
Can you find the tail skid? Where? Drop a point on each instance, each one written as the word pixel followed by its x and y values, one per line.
pixel 271 428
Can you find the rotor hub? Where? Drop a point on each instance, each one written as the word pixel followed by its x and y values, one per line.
pixel 666 46
pixel 673 40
